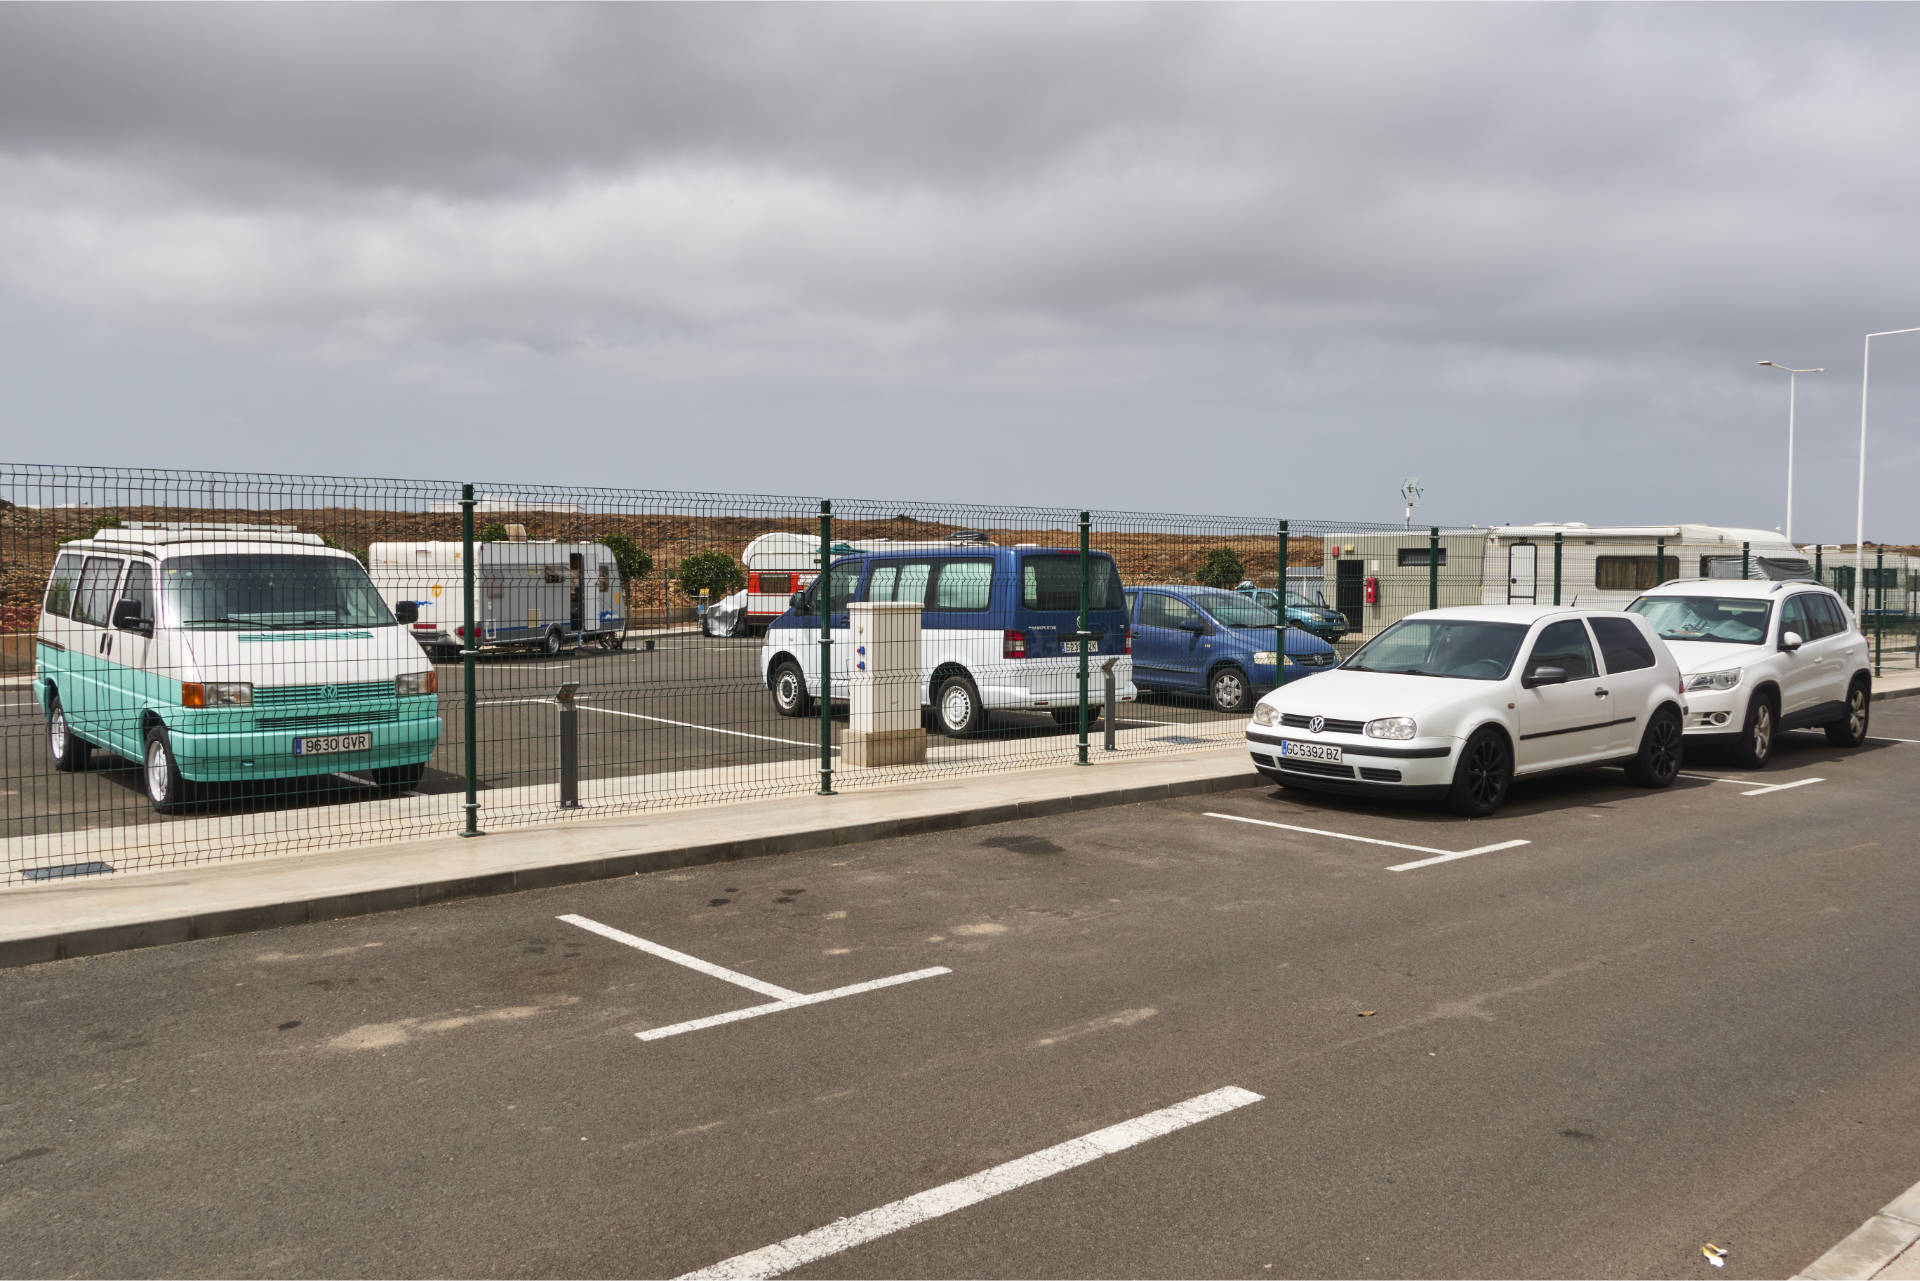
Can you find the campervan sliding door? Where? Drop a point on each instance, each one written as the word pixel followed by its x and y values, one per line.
pixel 1523 574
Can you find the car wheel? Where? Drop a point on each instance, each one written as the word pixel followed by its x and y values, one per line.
pixel 161 773
pixel 399 778
pixel 69 751
pixel 956 707
pixel 1229 690
pixel 1852 731
pixel 1481 779
pixel 1756 735
pixel 1657 763
pixel 790 689
pixel 553 642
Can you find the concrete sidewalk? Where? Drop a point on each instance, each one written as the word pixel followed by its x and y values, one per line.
pixel 1884 1248
pixel 63 919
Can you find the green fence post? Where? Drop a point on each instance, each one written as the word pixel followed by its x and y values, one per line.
pixel 825 603
pixel 1746 557
pixel 1086 636
pixel 1558 551
pixel 467 642
pixel 1659 561
pixel 1880 604
pixel 1433 567
pixel 1819 570
pixel 1280 616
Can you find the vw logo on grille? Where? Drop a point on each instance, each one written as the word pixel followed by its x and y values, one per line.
pixel 329 691
pixel 1315 725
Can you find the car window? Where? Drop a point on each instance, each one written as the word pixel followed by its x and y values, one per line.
pixel 93 602
pixel 1564 645
pixel 139 589
pixel 1795 618
pixel 1160 610
pixel 1622 644
pixel 1834 614
pixel 60 587
pixel 900 581
pixel 1737 620
pixel 1052 582
pixel 841 581
pixel 963 584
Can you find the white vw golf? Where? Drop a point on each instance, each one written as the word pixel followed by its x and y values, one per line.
pixel 1459 702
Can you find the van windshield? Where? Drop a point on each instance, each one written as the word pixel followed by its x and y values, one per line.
pixel 1231 609
pixel 254 590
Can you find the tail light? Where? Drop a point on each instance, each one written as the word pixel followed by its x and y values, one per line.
pixel 1013 644
pixel 1129 636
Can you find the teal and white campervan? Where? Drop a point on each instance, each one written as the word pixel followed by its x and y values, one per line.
pixel 217 653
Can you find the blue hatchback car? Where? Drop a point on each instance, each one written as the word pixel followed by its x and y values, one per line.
pixel 1220 643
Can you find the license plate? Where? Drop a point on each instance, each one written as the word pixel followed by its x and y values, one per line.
pixel 1073 647
pixel 1310 751
pixel 330 743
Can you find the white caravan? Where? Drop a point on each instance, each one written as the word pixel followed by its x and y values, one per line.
pixel 1607 567
pixel 536 593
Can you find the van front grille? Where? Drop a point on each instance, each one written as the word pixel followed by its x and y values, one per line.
pixel 318 720
pixel 285 695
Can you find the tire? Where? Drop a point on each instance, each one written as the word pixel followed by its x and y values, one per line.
pixel 1483 776
pixel 790 697
pixel 399 778
pixel 956 707
pixel 1852 731
pixel 70 752
pixel 553 642
pixel 1757 733
pixel 160 773
pixel 614 640
pixel 1229 690
pixel 1657 763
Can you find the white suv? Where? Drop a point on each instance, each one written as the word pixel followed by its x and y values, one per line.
pixel 1761 657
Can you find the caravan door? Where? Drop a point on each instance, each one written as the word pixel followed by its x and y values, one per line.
pixel 1522 574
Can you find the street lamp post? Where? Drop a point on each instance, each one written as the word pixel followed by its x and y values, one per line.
pixel 1860 518
pixel 1791 375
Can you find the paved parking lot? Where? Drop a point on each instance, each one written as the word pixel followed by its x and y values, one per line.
pixel 1216 1036
pixel 691 703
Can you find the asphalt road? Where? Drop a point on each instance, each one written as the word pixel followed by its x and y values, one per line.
pixel 1667 1018
pixel 690 703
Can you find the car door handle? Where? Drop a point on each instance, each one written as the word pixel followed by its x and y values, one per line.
pixel 1599 693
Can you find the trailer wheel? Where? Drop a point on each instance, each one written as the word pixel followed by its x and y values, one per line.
pixel 554 641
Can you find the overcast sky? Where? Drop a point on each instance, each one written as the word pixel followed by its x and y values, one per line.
pixel 1248 259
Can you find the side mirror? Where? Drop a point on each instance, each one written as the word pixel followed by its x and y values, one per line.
pixel 1539 676
pixel 407 611
pixel 1193 625
pixel 128 618
pixel 798 601
pixel 1791 641
pixel 1320 599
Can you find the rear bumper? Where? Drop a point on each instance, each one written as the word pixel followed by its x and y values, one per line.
pixel 212 756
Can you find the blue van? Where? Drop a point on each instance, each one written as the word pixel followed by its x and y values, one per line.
pixel 997 629
pixel 1205 639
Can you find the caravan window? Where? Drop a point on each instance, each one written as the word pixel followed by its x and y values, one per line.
pixel 606 577
pixel 1631 573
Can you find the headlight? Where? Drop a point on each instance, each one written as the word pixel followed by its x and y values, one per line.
pixel 1264 658
pixel 1714 680
pixel 413 684
pixel 1265 715
pixel 216 694
pixel 1391 727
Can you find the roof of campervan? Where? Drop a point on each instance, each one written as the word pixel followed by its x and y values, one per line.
pixel 1639 533
pixel 186 538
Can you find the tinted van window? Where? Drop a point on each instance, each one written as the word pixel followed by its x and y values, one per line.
pixel 1622 644
pixel 900 581
pixel 93 603
pixel 1053 583
pixel 60 588
pixel 965 584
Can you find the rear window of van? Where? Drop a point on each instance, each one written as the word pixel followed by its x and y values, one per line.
pixel 1053 583
pixel 60 587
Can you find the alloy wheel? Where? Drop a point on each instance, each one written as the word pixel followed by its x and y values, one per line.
pixel 159 771
pixel 1486 772
pixel 1664 758
pixel 1857 712
pixel 1762 730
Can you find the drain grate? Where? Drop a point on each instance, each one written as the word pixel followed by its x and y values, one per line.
pixel 63 870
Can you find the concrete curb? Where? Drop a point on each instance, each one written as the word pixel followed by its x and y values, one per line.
pixel 304 909
pixel 1867 1251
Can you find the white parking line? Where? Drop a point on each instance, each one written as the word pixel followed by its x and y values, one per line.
pixel 1882 738
pixel 858 1229
pixel 1781 787
pixel 783 998
pixel 1440 856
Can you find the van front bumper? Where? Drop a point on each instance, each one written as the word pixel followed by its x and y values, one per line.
pixel 207 754
pixel 1367 766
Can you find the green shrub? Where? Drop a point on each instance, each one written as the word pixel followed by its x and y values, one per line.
pixel 1222 569
pixel 495 533
pixel 712 571
pixel 635 561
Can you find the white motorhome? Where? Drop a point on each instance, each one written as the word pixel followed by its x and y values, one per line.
pixel 535 593
pixel 1608 566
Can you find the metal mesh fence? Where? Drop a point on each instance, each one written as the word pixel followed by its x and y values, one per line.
pixel 204 666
